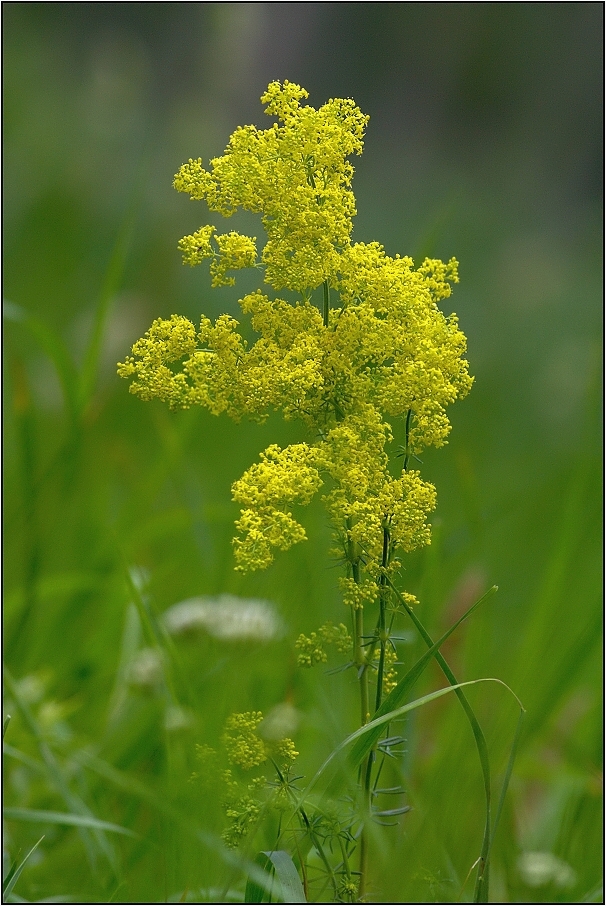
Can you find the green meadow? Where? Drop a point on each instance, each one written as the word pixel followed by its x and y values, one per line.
pixel 483 144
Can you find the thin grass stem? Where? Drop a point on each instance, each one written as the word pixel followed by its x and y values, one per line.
pixel 482 881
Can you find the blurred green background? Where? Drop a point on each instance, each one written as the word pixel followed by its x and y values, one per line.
pixel 484 142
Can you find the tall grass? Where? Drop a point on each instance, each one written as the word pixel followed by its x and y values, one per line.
pixel 115 511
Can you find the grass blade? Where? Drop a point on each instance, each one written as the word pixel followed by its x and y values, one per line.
pixel 396 696
pixel 508 771
pixel 32 763
pixel 55 349
pixel 43 816
pixel 281 866
pixel 58 779
pixel 482 880
pixel 393 715
pixel 14 873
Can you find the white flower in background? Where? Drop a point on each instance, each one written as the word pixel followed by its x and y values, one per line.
pixel 538 869
pixel 146 669
pixel 32 687
pixel 177 718
pixel 283 720
pixel 225 617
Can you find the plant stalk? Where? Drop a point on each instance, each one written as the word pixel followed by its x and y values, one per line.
pixel 326 305
pixel 382 608
pixel 361 664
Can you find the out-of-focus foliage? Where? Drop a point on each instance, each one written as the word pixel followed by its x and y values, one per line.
pixel 484 143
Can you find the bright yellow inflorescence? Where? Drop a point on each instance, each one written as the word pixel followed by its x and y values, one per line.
pixel 364 344
pixel 246 750
pixel 312 648
pixel 241 742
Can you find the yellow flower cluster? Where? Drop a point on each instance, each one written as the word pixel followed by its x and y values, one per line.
pixel 286 753
pixel 245 748
pixel 242 807
pixel 242 801
pixel 311 648
pixel 241 742
pixel 235 252
pixel 356 594
pixel 165 343
pixel 410 600
pixel 363 345
pixel 297 176
pixel 390 677
pixel 348 889
pixel 266 490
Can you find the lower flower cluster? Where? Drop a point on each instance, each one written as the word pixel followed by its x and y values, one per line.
pixel 245 749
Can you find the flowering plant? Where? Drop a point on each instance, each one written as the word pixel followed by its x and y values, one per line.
pixel 357 342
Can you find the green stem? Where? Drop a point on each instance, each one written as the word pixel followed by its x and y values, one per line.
pixel 361 664
pixel 406 453
pixel 359 657
pixel 382 609
pixel 368 764
pixel 318 847
pixel 363 864
pixel 345 859
pixel 306 823
pixel 326 307
pixel 366 767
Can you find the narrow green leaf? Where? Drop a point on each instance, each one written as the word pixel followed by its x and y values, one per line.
pixel 508 771
pixel 59 780
pixel 396 696
pixel 5 724
pixel 276 864
pixel 392 812
pixel 55 349
pixel 39 815
pixel 482 879
pixel 13 875
pixel 258 889
pixel 32 763
pixel 292 889
pixel 392 715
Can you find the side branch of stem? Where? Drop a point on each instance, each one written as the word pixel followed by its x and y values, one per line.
pixel 326 303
